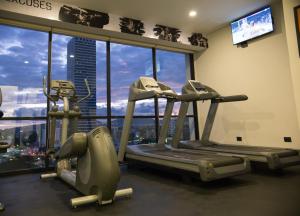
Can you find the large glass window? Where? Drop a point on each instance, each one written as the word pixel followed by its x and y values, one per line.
pixel 24 63
pixel 27 140
pixel 142 131
pixel 173 70
pixel 128 63
pixel 188 131
pixel 76 59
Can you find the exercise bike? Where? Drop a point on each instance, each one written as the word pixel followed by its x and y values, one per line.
pixel 97 174
pixel 3 145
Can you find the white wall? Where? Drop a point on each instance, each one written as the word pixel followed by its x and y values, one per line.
pixel 261 71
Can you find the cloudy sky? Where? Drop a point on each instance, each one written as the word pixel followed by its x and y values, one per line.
pixel 24 62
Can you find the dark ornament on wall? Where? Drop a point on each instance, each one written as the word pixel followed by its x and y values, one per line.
pixel 131 26
pixel 166 33
pixel 197 39
pixel 83 16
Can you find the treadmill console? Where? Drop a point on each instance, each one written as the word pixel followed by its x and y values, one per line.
pixel 149 84
pixel 63 88
pixel 197 86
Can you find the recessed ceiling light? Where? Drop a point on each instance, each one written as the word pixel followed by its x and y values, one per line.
pixel 26 62
pixel 72 56
pixel 192 13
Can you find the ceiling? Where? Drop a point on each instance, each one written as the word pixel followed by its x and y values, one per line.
pixel 212 14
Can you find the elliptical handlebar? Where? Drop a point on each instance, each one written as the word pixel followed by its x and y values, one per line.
pixel 54 100
pixel 88 89
pixel 45 90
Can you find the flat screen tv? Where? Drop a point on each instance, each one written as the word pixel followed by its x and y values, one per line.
pixel 253 25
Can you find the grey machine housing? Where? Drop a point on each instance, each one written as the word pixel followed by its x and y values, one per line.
pixel 97 173
pixel 207 165
pixel 275 158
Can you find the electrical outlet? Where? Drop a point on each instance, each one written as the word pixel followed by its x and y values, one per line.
pixel 239 139
pixel 287 139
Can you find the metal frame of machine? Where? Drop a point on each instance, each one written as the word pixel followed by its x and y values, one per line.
pixel 209 166
pixel 97 173
pixel 275 158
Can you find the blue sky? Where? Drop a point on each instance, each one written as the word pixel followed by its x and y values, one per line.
pixel 24 62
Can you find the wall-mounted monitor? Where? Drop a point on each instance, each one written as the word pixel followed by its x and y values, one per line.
pixel 253 25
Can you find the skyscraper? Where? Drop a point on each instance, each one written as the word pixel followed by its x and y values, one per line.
pixel 81 65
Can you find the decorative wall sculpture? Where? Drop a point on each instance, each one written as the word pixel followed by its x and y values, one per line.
pixel 57 10
pixel 83 16
pixel 166 33
pixel 197 39
pixel 131 26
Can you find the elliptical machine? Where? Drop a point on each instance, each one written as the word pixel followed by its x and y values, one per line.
pixel 3 145
pixel 98 172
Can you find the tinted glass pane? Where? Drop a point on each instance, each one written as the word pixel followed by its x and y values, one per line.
pixel 142 131
pixel 128 63
pixel 188 129
pixel 76 59
pixel 173 71
pixel 28 142
pixel 23 63
pixel 84 125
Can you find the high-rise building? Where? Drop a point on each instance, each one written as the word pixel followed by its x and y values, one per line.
pixel 81 64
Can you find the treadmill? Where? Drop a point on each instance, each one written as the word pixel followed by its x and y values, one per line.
pixel 208 166
pixel 275 158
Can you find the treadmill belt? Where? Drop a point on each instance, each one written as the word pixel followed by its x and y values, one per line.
pixel 216 160
pixel 238 148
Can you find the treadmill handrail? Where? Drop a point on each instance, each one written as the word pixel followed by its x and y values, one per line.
pixel 196 96
pixel 232 98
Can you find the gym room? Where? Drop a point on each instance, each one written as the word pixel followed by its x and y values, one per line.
pixel 150 107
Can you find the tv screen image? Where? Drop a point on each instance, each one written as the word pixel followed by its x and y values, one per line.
pixel 252 26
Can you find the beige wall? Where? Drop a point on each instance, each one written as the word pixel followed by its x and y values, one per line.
pixel 294 59
pixel 261 71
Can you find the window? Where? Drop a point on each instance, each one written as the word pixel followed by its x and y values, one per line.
pixel 128 63
pixel 142 131
pixel 173 70
pixel 24 63
pixel 188 128
pixel 76 59
pixel 27 139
